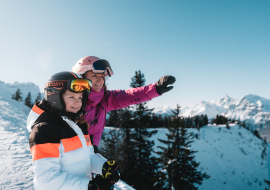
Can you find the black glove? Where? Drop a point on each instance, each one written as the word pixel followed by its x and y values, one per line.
pixel 111 171
pixel 110 175
pixel 92 185
pixel 163 82
pixel 103 183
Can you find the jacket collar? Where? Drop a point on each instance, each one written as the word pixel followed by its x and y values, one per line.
pixel 94 98
pixel 41 112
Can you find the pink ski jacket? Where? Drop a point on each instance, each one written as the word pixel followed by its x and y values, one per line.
pixel 97 106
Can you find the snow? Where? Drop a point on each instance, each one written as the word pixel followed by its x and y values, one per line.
pixel 15 158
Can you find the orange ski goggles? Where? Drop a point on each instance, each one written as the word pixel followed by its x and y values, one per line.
pixel 79 85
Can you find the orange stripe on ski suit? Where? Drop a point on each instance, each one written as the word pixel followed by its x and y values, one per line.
pixel 71 143
pixel 47 150
pixel 37 110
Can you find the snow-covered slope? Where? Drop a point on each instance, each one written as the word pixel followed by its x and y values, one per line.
pixel 232 157
pixel 16 170
pixel 15 158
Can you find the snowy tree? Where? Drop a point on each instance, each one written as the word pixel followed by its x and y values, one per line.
pixel 18 95
pixel 178 159
pixel 28 101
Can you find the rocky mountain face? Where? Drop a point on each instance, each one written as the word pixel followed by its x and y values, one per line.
pixel 252 109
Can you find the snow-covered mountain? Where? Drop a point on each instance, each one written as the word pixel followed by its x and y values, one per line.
pixel 7 89
pixel 252 109
pixel 211 109
pixel 163 111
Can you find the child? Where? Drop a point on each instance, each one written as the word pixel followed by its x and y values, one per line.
pixel 63 156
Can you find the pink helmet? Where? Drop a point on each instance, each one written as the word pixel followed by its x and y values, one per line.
pixel 94 64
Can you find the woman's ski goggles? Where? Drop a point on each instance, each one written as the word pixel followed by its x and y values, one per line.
pixel 79 85
pixel 102 66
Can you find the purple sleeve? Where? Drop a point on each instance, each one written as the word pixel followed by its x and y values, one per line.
pixel 122 98
pixel 97 138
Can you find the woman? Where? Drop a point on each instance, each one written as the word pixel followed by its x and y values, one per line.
pixel 63 156
pixel 102 100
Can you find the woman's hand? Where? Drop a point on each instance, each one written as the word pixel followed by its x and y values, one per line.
pixel 163 82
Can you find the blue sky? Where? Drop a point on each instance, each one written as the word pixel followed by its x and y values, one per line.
pixel 211 47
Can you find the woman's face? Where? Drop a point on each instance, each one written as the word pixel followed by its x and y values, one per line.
pixel 73 101
pixel 97 79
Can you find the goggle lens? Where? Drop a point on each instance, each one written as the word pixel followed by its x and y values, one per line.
pixel 102 65
pixel 79 85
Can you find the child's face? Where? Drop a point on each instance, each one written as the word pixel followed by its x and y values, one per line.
pixel 73 101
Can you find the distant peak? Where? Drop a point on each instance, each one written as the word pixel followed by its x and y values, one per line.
pixel 226 96
pixel 203 102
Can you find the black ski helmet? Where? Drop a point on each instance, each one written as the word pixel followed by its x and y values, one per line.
pixel 56 86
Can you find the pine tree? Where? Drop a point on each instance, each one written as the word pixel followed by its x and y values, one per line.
pixel 145 170
pixel 129 148
pixel 160 121
pixel 178 159
pixel 18 95
pixel 112 145
pixel 205 120
pixel 38 99
pixel 268 183
pixel 114 118
pixel 28 101
pixel 197 121
pixel 138 80
pixel 263 155
pixel 154 123
pixel 166 121
pixel 256 133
